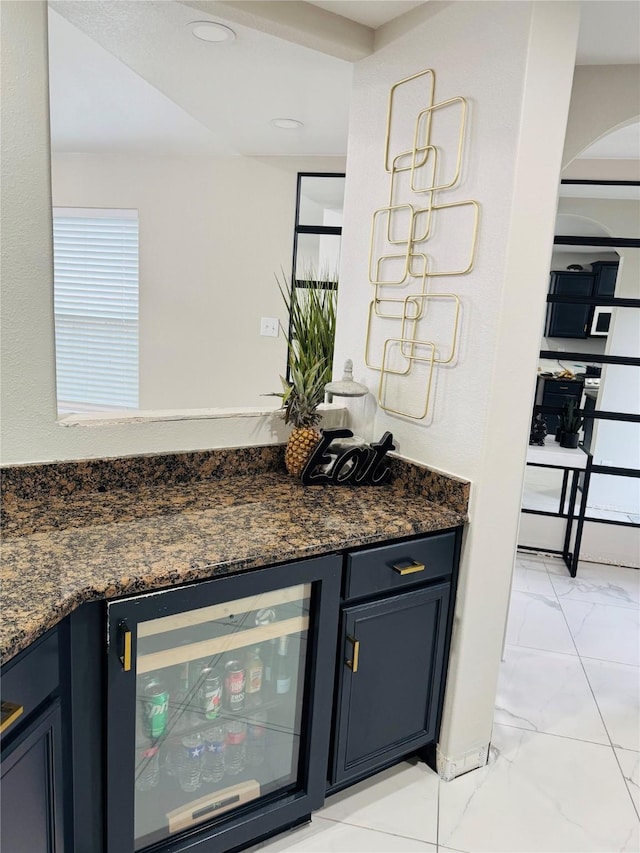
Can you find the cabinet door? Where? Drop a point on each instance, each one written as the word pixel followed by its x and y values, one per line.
pixel 389 679
pixel 219 707
pixel 31 788
pixel 606 276
pixel 569 321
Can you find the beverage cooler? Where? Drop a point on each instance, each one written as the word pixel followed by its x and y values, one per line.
pixel 219 707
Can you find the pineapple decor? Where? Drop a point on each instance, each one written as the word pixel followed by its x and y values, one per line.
pixel 311 306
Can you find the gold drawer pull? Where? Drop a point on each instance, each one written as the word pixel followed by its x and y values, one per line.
pixel 353 663
pixel 411 569
pixel 9 713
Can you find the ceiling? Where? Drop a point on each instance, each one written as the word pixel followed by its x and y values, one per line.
pixel 621 144
pixel 130 77
pixel 371 13
pixel 99 105
pixel 609 32
pixel 126 74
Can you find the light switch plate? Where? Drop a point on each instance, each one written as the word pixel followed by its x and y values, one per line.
pixel 269 327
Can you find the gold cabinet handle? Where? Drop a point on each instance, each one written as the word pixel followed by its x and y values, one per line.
pixel 9 713
pixel 411 569
pixel 353 663
pixel 125 657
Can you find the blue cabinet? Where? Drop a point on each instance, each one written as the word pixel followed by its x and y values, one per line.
pixel 32 785
pixel 388 703
pixel 353 650
pixel 395 632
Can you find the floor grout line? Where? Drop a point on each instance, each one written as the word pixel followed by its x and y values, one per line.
pixel 554 734
pixel 544 651
pixel 550 651
pixel 606 660
pixel 371 829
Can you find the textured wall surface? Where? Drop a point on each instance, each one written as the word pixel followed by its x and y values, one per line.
pixel 514 61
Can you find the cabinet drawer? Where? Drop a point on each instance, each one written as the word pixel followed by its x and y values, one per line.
pixel 32 678
pixel 392 567
pixel 567 389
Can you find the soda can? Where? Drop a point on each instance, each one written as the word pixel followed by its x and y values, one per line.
pixel 211 695
pixel 156 708
pixel 234 685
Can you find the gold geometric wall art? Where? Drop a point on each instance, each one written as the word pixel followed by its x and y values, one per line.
pixel 415 356
pixel 402 260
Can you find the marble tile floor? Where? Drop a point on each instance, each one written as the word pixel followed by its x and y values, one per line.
pixel 564 769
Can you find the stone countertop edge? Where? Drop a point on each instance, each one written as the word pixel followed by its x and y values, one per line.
pixel 79 545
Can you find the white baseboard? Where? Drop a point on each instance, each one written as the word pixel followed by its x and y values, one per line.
pixel 451 767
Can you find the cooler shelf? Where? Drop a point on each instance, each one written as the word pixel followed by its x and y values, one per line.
pixel 220 645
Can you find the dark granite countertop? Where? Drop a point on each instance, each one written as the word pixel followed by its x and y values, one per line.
pixel 79 533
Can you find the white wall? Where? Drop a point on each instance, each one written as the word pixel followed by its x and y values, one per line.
pixel 603 97
pixel 514 62
pixel 602 170
pixel 213 233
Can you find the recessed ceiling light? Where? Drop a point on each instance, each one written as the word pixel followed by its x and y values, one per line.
pixel 286 123
pixel 210 31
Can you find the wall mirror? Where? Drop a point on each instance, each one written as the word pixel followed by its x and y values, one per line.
pixel 596 256
pixel 174 185
pixel 318 230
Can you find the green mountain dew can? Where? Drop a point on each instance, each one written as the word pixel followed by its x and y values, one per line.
pixel 156 707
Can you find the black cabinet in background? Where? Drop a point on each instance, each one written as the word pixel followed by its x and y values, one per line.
pixel 567 320
pixel 556 393
pixel 606 273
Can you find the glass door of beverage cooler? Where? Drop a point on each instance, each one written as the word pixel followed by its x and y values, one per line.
pixel 223 695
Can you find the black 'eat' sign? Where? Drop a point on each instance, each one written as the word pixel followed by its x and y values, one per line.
pixel 357 466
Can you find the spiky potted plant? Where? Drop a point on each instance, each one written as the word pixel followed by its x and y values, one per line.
pixel 570 424
pixel 311 306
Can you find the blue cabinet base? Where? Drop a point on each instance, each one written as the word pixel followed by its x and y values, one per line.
pixel 396 600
